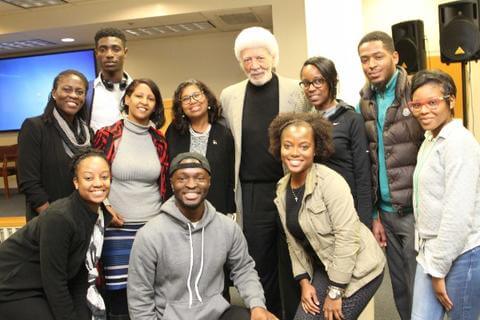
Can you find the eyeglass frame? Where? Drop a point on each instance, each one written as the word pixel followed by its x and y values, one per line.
pixel 188 99
pixel 305 84
pixel 425 102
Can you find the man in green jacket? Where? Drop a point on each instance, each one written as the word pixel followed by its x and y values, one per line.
pixel 394 138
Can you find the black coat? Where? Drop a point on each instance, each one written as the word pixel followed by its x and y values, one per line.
pixel 351 158
pixel 44 172
pixel 47 258
pixel 220 155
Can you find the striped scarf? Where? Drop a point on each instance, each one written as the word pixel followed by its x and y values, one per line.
pixel 75 139
pixel 94 299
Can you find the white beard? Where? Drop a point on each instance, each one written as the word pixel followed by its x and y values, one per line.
pixel 261 81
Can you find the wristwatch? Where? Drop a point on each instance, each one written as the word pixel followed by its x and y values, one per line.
pixel 335 293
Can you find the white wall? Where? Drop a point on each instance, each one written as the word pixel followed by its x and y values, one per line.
pixel 333 31
pixel 335 27
pixel 168 61
pixel 289 28
pixel 381 14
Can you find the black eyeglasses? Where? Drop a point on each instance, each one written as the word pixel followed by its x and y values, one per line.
pixel 317 83
pixel 196 96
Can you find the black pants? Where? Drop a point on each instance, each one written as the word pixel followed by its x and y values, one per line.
pixel 116 304
pixel 351 306
pixel 37 308
pixel 267 246
pixel 235 313
pixel 401 257
pixel 26 309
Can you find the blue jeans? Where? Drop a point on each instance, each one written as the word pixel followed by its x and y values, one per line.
pixel 463 289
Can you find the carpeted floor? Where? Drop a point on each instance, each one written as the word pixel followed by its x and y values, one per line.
pixel 384 304
pixel 12 207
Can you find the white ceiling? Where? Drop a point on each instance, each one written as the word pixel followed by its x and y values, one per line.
pixel 80 19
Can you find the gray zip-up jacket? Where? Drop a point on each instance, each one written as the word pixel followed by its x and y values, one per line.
pixel 176 269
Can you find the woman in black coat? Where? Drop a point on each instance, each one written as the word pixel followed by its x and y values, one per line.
pixel 47 267
pixel 48 142
pixel 350 159
pixel 197 126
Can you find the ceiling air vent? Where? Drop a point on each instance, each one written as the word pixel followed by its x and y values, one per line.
pixel 170 29
pixel 29 4
pixel 22 44
pixel 239 18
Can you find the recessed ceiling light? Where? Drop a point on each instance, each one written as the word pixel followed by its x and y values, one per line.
pixel 29 4
pixel 68 40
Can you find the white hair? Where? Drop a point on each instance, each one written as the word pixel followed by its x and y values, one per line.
pixel 257 37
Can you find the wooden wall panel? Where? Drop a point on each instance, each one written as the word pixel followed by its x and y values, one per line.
pixel 455 71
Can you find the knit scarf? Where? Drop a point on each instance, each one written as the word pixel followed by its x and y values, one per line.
pixel 76 137
pixel 94 299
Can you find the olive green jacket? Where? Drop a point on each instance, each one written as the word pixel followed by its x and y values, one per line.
pixel 327 216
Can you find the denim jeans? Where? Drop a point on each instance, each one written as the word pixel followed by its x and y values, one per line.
pixel 463 289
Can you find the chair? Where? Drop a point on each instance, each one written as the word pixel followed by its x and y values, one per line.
pixel 8 154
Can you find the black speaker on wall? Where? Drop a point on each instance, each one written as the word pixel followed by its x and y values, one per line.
pixel 409 40
pixel 459 31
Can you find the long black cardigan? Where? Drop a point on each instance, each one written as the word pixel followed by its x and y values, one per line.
pixel 220 155
pixel 43 165
pixel 46 258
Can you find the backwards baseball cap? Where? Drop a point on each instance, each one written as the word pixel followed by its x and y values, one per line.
pixel 177 162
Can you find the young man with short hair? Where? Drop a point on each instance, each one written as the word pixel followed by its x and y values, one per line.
pixel 394 138
pixel 177 259
pixel 106 91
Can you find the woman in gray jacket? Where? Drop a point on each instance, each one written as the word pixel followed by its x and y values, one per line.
pixel 446 199
pixel 335 258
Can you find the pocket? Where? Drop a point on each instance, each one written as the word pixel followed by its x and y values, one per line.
pixel 319 219
pixel 369 255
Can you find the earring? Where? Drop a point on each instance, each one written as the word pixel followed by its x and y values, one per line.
pixel 209 107
pixel 183 116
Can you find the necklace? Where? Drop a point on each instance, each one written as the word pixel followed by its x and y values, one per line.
pixel 296 195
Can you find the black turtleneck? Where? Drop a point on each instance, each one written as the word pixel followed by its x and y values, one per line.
pixel 259 109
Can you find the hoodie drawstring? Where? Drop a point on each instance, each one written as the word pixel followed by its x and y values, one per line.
pixel 190 298
pixel 201 268
pixel 190 294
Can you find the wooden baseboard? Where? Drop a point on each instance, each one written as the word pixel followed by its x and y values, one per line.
pixel 12 221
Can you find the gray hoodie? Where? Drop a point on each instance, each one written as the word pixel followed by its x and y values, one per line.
pixel 176 269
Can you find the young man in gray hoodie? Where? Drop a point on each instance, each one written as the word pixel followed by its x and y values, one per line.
pixel 177 259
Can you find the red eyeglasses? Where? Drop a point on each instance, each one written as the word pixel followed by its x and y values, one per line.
pixel 431 103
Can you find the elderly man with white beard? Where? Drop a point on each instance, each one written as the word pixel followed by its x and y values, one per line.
pixel 249 107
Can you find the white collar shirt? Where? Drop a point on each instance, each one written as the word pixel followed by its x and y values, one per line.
pixel 106 103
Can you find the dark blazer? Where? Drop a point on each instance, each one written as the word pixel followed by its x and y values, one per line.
pixel 47 258
pixel 220 155
pixel 43 166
